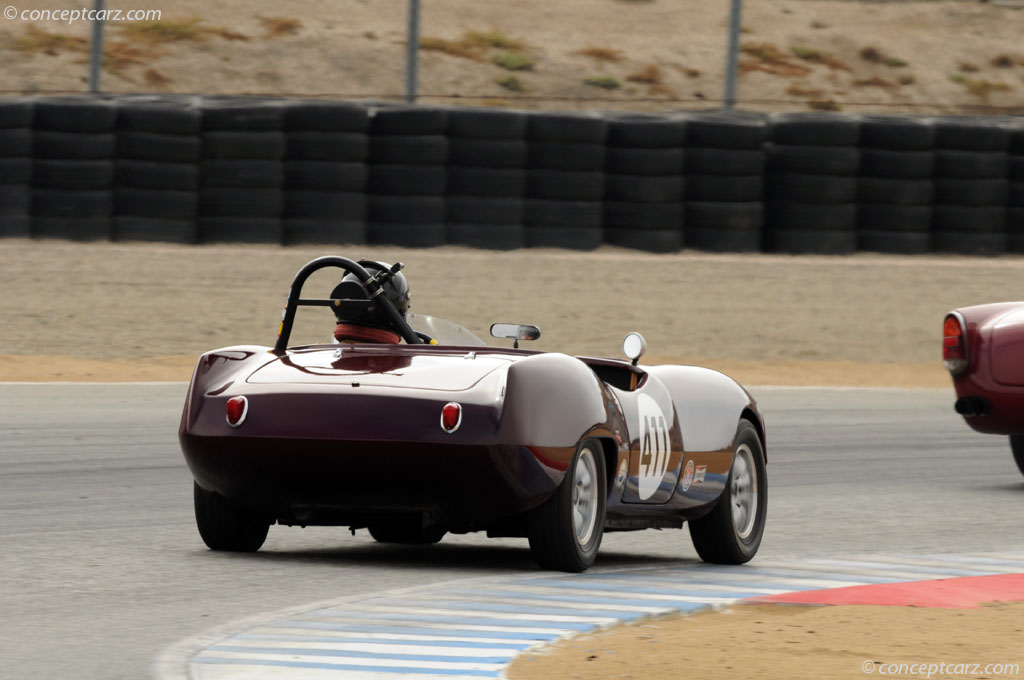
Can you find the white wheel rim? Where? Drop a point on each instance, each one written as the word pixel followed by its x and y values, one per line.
pixel 743 496
pixel 584 497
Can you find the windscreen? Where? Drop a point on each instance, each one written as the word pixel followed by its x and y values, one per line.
pixel 445 332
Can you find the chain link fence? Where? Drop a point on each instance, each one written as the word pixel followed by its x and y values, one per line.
pixel 644 55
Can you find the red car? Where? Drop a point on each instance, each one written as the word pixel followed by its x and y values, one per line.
pixel 983 349
pixel 419 428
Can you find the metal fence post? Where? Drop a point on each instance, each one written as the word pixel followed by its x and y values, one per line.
pixel 412 52
pixel 735 26
pixel 96 49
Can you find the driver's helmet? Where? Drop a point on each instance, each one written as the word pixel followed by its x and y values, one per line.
pixel 371 325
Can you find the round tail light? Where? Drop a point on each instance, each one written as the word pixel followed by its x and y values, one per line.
pixel 954 344
pixel 451 417
pixel 237 408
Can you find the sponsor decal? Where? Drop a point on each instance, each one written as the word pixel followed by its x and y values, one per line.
pixel 687 475
pixel 698 476
pixel 655 446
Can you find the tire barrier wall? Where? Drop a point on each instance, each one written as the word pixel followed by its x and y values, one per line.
pixel 191 169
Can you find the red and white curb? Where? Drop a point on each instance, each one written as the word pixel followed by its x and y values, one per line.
pixel 472 630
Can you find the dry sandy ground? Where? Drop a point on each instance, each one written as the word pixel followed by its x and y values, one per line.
pixel 674 52
pixel 138 311
pixel 791 642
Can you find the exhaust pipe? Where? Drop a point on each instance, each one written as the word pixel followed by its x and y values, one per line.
pixel 970 407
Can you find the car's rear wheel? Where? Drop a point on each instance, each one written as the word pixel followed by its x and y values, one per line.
pixel 731 533
pixel 410 533
pixel 1017 446
pixel 565 531
pixel 226 527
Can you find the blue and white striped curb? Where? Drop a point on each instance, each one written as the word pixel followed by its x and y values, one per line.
pixel 473 630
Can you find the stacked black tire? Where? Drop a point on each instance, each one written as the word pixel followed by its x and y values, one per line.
pixel 971 186
pixel 157 169
pixel 645 182
pixel 725 181
pixel 73 168
pixel 15 168
pixel 408 152
pixel 812 164
pixel 1015 214
pixel 565 181
pixel 486 178
pixel 325 172
pixel 895 188
pixel 241 198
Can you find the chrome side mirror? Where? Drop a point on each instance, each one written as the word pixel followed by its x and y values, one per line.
pixel 514 331
pixel 633 346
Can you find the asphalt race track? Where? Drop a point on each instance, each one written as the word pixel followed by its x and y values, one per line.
pixel 101 566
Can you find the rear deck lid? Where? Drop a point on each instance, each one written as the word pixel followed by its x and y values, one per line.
pixel 428 369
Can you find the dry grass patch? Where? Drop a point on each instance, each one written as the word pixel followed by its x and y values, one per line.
pixel 795 90
pixel 603 82
pixel 687 71
pixel 649 75
pixel 1007 61
pixel 473 44
pixel 279 27
pixel 875 55
pixel 155 78
pixel 770 59
pixel 816 56
pixel 608 54
pixel 824 105
pixel 453 48
pixel 511 83
pixel 513 61
pixel 174 30
pixel 37 41
pixel 875 81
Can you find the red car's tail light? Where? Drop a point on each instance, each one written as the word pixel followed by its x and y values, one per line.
pixel 954 344
pixel 237 408
pixel 451 417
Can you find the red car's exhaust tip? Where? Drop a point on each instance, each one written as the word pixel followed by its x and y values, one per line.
pixel 972 406
pixel 237 409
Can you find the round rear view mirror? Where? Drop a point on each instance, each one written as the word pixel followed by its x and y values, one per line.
pixel 633 346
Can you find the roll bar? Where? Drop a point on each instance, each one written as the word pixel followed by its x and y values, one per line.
pixel 372 283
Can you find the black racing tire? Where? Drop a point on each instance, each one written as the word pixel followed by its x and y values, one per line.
pixel 154 175
pixel 574 214
pixel 408 120
pixel 650 240
pixel 75 114
pixel 62 174
pixel 16 113
pixel 164 205
pixel 487 153
pixel 230 202
pixel 503 183
pixel 71 228
pixel 332 232
pixel 725 161
pixel 1016 168
pixel 326 116
pixel 569 238
pixel 559 540
pixel 74 145
pixel 169 116
pixel 972 133
pixel 813 160
pixel 72 204
pixel 487 124
pixel 725 216
pixel 15 170
pixel 15 142
pixel 406 533
pixel 897 133
pixel 571 157
pixel 241 114
pixel 152 146
pixel 226 527
pixel 811 216
pixel 723 240
pixel 489 236
pixel 816 189
pixel 899 242
pixel 565 186
pixel 972 164
pixel 969 243
pixel 640 131
pixel 247 174
pixel 815 129
pixel 15 200
pixel 900 164
pixel 240 230
pixel 409 149
pixel 716 536
pixel 331 147
pixel 323 176
pixel 729 188
pixel 812 241
pixel 1016 194
pixel 325 205
pixel 652 162
pixel 409 235
pixel 244 145
pixel 889 218
pixel 579 128
pixel 889 191
pixel 1017 447
pixel 407 180
pixel 981 219
pixel 411 210
pixel 640 189
pixel 624 215
pixel 17 226
pixel 484 211
pixel 727 130
pixel 973 191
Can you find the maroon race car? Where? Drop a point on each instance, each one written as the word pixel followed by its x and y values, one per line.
pixel 983 349
pixel 437 432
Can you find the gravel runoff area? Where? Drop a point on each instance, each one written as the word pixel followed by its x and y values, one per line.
pixel 103 311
